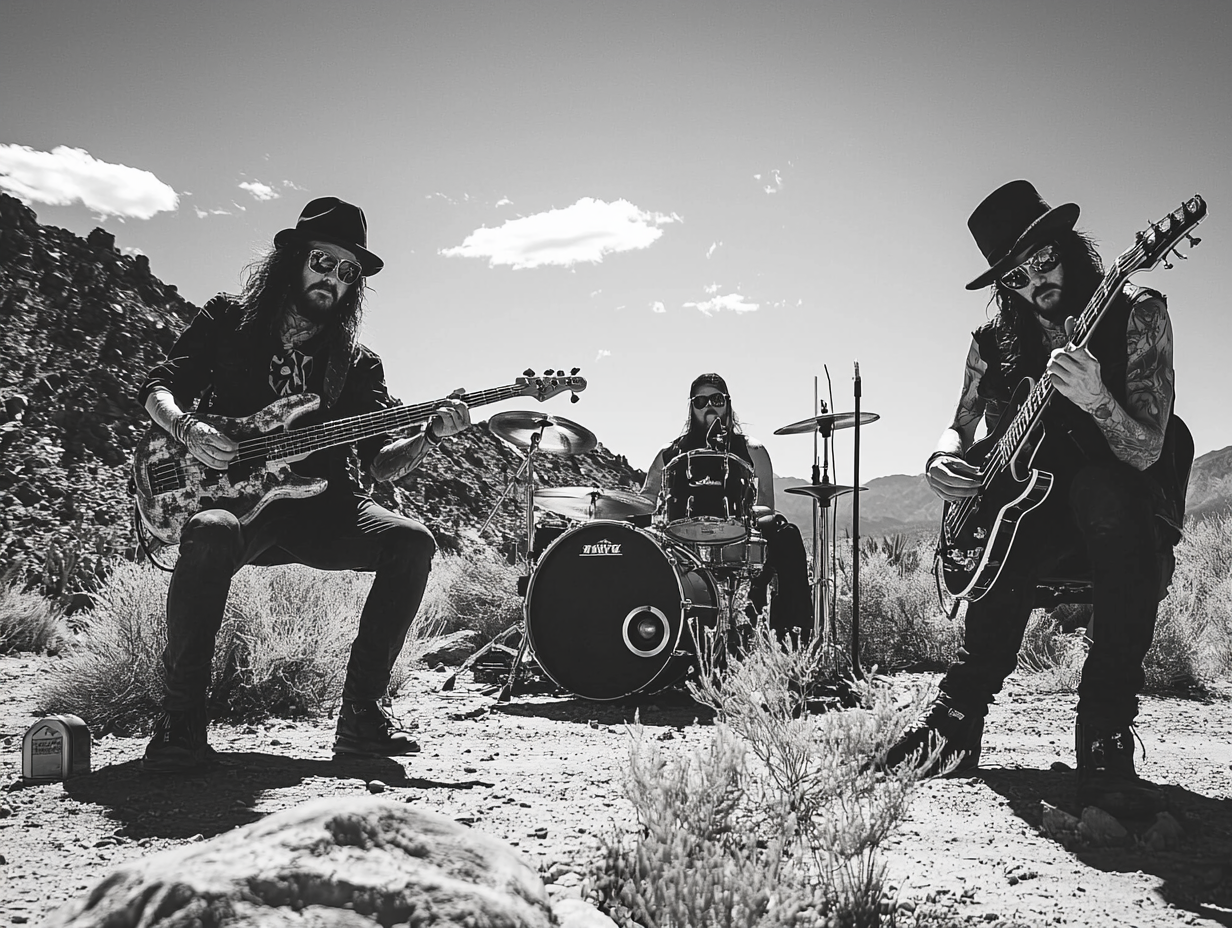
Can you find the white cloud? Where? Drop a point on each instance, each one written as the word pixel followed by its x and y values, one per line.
pixel 658 307
pixel 775 183
pixel 714 246
pixel 603 353
pixel 204 213
pixel 733 302
pixel 712 289
pixel 259 190
pixel 65 175
pixel 585 231
pixel 504 201
pixel 595 293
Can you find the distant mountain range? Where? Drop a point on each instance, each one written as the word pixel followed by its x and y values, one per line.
pixel 903 504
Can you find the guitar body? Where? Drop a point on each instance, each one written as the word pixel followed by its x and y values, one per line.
pixel 172 485
pixel 977 533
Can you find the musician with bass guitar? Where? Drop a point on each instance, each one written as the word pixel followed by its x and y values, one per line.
pixel 291 333
pixel 1088 469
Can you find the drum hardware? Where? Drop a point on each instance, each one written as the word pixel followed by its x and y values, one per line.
pixel 705 499
pixel 593 503
pixel 822 426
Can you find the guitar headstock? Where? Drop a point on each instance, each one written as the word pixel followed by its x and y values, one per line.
pixel 1159 240
pixel 550 383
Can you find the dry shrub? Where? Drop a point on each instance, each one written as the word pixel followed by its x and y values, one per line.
pixel 473 590
pixel 282 649
pixel 778 821
pixel 30 621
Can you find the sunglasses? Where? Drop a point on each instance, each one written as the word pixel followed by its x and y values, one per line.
pixel 1042 261
pixel 709 399
pixel 323 262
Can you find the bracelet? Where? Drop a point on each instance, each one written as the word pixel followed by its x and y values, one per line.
pixel 939 454
pixel 181 426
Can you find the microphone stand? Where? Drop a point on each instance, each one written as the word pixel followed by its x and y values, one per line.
pixel 855 538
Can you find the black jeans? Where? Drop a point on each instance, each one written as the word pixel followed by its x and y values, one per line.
pixel 327 532
pixel 1105 514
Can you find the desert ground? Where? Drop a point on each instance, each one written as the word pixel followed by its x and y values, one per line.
pixel 543 772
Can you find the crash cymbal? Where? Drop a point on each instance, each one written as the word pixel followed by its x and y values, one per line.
pixel 822 492
pixel 593 502
pixel 560 435
pixel 827 423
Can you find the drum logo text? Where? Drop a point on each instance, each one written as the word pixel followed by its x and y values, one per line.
pixel 705 482
pixel 601 549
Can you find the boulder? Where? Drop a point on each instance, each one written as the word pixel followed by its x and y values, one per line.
pixel 331 862
pixel 452 649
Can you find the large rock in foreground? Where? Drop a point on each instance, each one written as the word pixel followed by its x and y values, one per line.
pixel 349 863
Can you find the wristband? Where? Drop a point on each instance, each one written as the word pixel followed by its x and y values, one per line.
pixel 939 454
pixel 180 427
pixel 431 439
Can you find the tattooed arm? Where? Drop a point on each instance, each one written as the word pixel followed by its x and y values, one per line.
pixel 948 474
pixel 1135 431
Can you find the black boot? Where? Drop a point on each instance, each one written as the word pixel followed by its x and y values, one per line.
pixel 960 729
pixel 367 727
pixel 1106 775
pixel 179 743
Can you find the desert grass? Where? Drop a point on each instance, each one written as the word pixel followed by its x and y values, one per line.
pixel 281 650
pixel 777 821
pixel 30 622
pixel 475 590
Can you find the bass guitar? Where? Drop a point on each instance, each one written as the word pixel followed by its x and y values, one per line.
pixel 977 532
pixel 172 485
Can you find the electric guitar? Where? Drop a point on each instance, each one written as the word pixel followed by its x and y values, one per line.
pixel 172 485
pixel 977 532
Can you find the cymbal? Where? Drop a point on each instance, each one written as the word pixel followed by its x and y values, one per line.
pixel 593 502
pixel 559 435
pixel 827 422
pixel 822 492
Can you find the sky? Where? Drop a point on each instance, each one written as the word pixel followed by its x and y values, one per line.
pixel 776 192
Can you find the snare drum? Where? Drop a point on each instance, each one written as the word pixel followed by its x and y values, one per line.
pixel 708 497
pixel 745 557
pixel 607 608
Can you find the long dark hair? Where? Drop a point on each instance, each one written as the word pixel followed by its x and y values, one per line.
pixel 273 279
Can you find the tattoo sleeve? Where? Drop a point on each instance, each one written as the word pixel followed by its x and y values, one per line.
pixel 1135 432
pixel 971 406
pixel 399 458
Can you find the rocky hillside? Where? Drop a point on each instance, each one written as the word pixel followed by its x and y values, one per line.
pixel 80 324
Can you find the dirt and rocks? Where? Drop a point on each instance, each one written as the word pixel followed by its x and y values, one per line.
pixel 543 773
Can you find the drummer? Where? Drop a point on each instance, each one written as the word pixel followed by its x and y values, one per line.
pixel 712 424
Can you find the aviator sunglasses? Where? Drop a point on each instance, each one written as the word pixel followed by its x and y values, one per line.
pixel 1042 261
pixel 323 262
pixel 710 399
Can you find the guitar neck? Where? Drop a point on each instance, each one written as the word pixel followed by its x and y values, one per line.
pixel 294 443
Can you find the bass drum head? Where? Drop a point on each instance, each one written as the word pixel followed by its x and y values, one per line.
pixel 604 610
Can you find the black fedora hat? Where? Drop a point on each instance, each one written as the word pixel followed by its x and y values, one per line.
pixel 1011 222
pixel 328 219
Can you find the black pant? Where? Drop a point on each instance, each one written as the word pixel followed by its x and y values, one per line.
pixel 328 532
pixel 792 607
pixel 1105 514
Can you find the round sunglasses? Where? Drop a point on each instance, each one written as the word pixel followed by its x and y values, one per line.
pixel 1042 262
pixel 323 262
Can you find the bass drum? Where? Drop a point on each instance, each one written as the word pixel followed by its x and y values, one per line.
pixel 607 608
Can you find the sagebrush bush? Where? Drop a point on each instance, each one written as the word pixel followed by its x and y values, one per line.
pixel 777 821
pixel 30 621
pixel 475 590
pixel 282 649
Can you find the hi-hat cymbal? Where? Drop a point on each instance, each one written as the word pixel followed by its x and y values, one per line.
pixel 593 502
pixel 822 492
pixel 559 435
pixel 827 423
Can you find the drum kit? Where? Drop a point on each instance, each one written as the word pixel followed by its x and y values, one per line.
pixel 620 589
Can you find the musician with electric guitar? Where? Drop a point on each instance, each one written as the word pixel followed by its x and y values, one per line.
pixel 1084 463
pixel 286 407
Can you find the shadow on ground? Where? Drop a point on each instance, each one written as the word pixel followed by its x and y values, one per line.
pixel 668 709
pixel 222 797
pixel 1196 875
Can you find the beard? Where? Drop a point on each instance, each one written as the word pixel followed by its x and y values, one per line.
pixel 311 305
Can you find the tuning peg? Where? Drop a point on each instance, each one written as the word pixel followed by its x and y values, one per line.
pixel 1192 240
pixel 548 372
pixel 528 372
pixel 1168 265
pixel 1179 255
pixel 573 397
pixel 574 371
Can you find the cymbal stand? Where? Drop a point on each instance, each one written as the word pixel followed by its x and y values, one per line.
pixel 824 626
pixel 507 690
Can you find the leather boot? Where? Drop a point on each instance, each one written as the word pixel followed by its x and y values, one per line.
pixel 960 729
pixel 1106 775
pixel 179 743
pixel 367 727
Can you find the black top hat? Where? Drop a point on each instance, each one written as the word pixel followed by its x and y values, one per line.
pixel 328 219
pixel 1012 222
